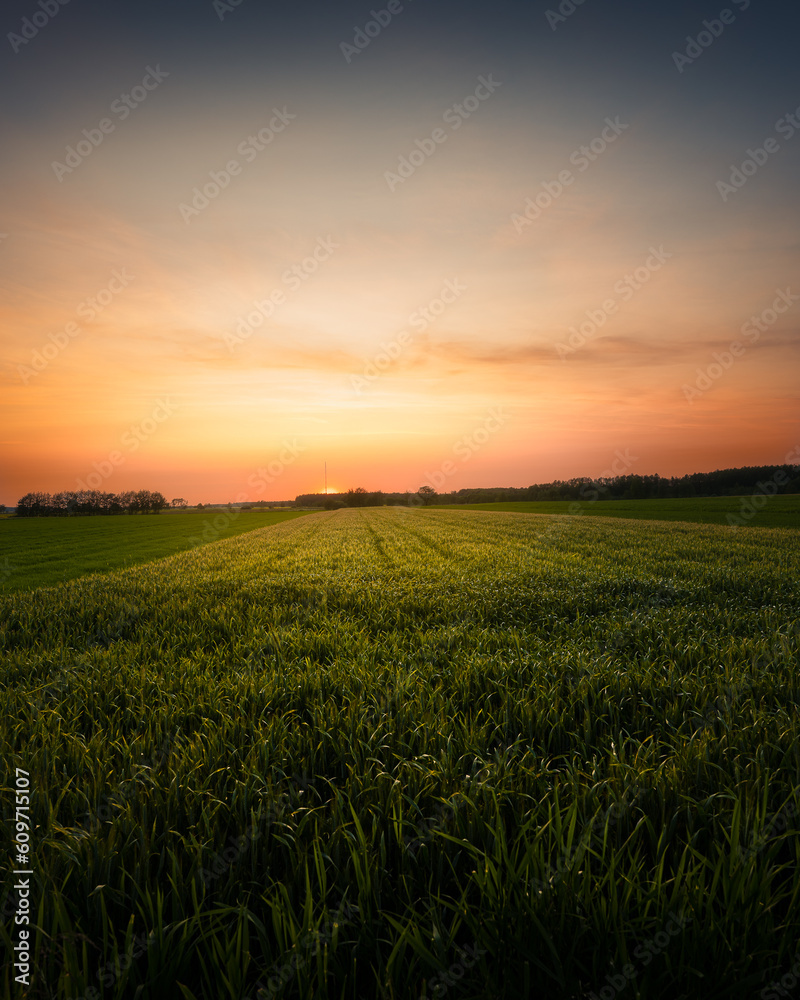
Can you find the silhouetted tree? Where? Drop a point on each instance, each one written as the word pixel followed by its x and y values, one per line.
pixel 427 494
pixel 356 497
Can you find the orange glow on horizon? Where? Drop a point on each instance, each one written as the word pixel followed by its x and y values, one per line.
pixel 308 314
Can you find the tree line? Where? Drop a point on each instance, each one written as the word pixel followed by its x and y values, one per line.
pixel 358 497
pixel 721 482
pixel 90 502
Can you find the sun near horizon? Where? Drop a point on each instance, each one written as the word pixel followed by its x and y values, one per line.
pixel 495 261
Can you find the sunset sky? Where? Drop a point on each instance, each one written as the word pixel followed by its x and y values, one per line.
pixel 164 171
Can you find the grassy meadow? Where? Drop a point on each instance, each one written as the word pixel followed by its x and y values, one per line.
pixel 404 753
pixel 44 551
pixel 781 511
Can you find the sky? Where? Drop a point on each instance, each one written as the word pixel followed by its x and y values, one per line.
pixel 439 242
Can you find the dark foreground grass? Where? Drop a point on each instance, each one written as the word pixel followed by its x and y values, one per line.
pixel 44 551
pixel 763 512
pixel 404 754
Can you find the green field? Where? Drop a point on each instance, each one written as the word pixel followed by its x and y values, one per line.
pixel 43 551
pixel 394 753
pixel 775 512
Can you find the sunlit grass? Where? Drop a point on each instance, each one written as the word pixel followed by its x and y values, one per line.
pixel 536 738
pixel 44 551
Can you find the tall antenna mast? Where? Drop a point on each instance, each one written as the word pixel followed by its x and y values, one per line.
pixel 326 479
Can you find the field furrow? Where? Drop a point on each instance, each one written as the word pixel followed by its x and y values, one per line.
pixel 352 751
